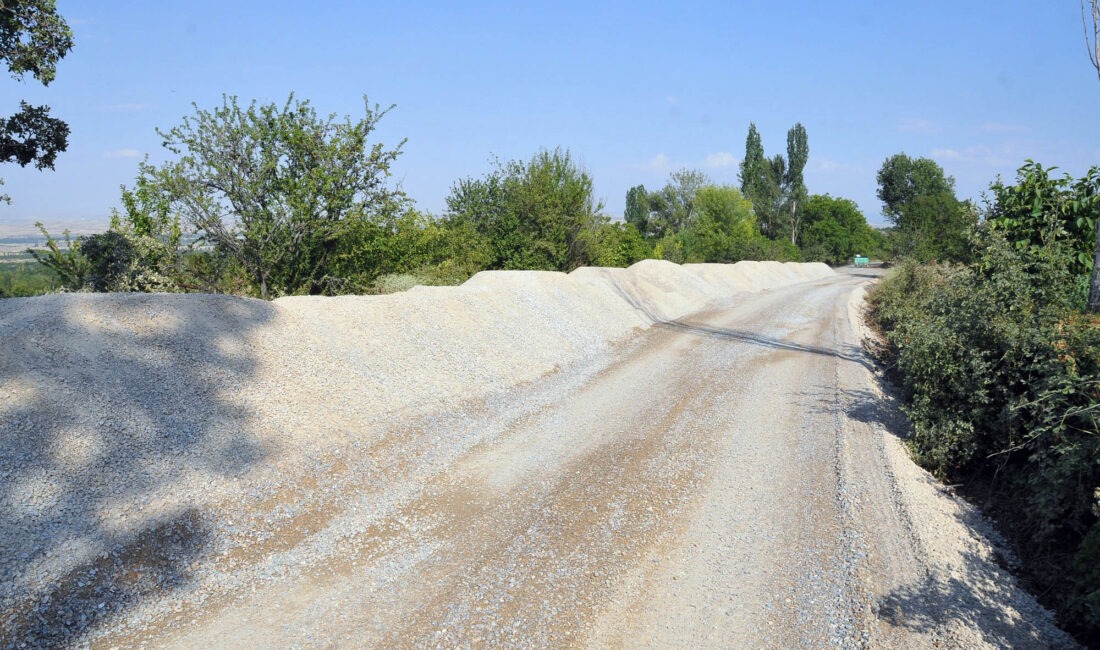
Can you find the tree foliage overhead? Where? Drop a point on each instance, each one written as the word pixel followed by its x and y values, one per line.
pixel 33 38
pixel 277 188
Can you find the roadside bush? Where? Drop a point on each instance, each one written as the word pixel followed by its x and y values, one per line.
pixel 764 249
pixel 398 282
pixel 66 261
pixel 440 251
pixel 616 244
pixel 906 291
pixel 119 261
pixel 1001 374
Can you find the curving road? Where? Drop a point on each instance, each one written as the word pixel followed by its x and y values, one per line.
pixel 730 480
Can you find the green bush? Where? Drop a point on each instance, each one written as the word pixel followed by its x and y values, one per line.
pixel 398 282
pixel 763 249
pixel 121 261
pixel 616 244
pixel 1001 374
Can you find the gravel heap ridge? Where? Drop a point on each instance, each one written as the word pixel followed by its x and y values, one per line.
pixel 121 414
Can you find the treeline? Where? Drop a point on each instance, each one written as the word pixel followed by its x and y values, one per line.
pixel 271 200
pixel 22 279
pixel 1000 362
pixel 770 216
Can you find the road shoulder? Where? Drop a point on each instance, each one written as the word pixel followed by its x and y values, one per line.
pixel 934 566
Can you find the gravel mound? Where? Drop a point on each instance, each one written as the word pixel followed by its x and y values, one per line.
pixel 125 417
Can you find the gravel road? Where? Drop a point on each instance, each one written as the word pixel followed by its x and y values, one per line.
pixel 731 478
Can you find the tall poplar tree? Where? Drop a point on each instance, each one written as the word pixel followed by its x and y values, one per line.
pixel 759 182
pixel 798 152
pixel 637 208
pixel 775 185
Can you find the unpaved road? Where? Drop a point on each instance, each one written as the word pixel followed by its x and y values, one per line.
pixel 729 480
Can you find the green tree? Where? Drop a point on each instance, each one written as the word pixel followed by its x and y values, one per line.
pixel 931 223
pixel 536 214
pixel 277 189
pixel 65 261
pixel 121 261
pixel 902 179
pixel 776 185
pixel 724 225
pixel 147 209
pixel 33 38
pixel 672 209
pixel 760 182
pixel 483 203
pixel 413 245
pixel 935 227
pixel 1039 210
pixel 147 234
pixel 617 244
pixel 794 186
pixel 637 208
pixel 835 231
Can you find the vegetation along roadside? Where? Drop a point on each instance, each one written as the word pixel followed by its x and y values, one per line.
pixel 999 363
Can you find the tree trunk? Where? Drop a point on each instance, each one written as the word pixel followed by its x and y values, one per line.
pixel 1094 281
pixel 1093 47
pixel 794 223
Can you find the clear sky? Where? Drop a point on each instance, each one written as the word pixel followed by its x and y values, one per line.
pixel 633 90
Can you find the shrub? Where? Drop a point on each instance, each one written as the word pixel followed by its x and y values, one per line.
pixel 398 282
pixel 1002 377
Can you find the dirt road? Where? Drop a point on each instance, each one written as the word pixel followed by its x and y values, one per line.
pixel 729 480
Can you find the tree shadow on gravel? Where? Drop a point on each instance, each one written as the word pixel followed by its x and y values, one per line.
pixel 880 410
pixel 110 407
pixel 845 353
pixel 977 601
pixel 88 596
pixel 853 353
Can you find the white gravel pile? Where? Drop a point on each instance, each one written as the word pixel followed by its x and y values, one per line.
pixel 124 415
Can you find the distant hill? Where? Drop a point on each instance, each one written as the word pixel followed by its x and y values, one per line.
pixel 10 228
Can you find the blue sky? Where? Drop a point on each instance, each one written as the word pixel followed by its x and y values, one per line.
pixel 633 90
